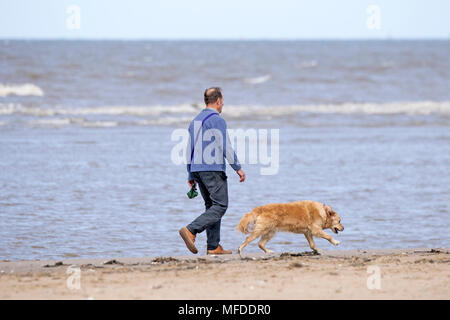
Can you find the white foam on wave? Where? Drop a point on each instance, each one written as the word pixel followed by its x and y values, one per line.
pixel 419 108
pixel 258 80
pixel 50 122
pixel 102 124
pixel 175 113
pixel 307 64
pixel 12 108
pixel 27 89
pixel 60 122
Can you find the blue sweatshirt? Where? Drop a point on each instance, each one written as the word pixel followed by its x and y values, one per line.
pixel 212 146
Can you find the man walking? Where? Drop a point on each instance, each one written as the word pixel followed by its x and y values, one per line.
pixel 208 171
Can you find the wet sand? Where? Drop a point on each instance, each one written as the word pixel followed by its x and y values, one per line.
pixel 372 274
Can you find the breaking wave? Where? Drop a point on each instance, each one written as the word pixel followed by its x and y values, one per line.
pixel 409 108
pixel 385 114
pixel 258 80
pixel 420 108
pixel 26 89
pixel 12 108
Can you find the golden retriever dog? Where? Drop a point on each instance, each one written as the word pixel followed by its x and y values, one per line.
pixel 307 217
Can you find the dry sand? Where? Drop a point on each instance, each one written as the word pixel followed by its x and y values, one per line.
pixel 404 274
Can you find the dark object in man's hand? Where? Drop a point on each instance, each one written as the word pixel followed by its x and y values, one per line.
pixel 193 192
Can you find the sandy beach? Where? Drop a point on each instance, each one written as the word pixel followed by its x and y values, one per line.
pixel 373 274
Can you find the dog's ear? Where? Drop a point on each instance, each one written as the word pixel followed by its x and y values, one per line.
pixel 328 210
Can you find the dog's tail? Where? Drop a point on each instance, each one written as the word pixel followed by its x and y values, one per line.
pixel 246 222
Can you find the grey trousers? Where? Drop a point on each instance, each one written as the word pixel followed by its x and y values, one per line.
pixel 214 189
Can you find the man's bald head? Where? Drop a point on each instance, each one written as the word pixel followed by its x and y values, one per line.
pixel 212 94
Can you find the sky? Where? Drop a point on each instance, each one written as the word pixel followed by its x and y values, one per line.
pixel 223 20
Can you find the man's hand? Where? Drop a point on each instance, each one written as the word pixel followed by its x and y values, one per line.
pixel 192 183
pixel 241 174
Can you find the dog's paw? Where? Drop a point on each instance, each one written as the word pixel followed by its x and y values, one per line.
pixel 335 242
